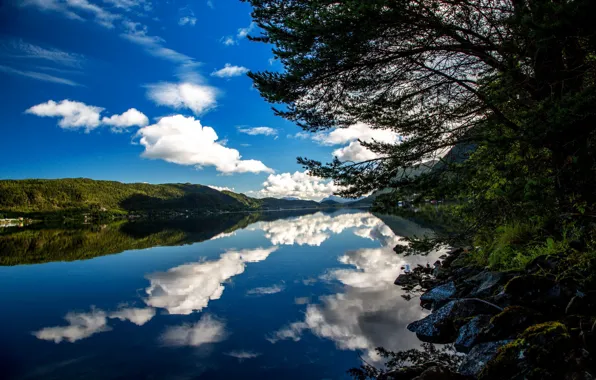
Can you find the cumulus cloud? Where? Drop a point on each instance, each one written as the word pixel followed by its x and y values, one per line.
pixel 130 118
pixel 37 75
pixel 78 115
pixel 266 290
pixel 297 185
pixel 221 188
pixel 229 71
pixel 72 114
pixel 84 325
pixel 267 131
pixel 187 20
pixel 188 288
pixel 184 141
pixel 352 136
pixel 198 98
pixel 207 330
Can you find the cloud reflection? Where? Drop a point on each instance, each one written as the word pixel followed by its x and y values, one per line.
pixel 206 330
pixel 188 288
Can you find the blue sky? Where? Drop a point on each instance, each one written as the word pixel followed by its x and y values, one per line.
pixel 147 91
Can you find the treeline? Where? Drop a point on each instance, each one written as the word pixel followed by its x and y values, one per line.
pixel 75 196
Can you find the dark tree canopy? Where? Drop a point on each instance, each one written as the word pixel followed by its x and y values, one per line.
pixel 510 80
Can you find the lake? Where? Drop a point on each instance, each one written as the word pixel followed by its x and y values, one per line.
pixel 251 296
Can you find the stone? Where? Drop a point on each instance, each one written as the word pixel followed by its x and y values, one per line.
pixel 582 304
pixel 485 283
pixel 406 373
pixel 479 356
pixel 405 279
pixel 470 333
pixel 540 293
pixel 544 263
pixel 508 323
pixel 438 296
pixel 442 325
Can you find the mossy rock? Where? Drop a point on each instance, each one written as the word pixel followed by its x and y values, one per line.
pixel 540 352
pixel 510 322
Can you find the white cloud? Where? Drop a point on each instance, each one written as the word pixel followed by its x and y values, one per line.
pixel 135 315
pixel 28 50
pixel 228 41
pixel 130 118
pixel 188 288
pixel 243 32
pixel 154 45
pixel 187 20
pixel 80 326
pixel 266 290
pixel 369 311
pixel 221 188
pixel 354 151
pixel 267 131
pixel 128 5
pixel 39 76
pixel 73 114
pixel 297 185
pixel 76 10
pixel 84 325
pixel 198 98
pixel 207 330
pixel 314 229
pixel 229 71
pixel 243 355
pixel 184 141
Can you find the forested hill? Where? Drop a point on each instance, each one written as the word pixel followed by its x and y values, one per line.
pixel 78 195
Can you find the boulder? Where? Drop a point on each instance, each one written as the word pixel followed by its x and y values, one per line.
pixel 582 304
pixel 543 351
pixel 485 283
pixel 540 293
pixel 544 263
pixel 481 354
pixel 438 296
pixel 470 333
pixel 405 279
pixel 508 323
pixel 442 325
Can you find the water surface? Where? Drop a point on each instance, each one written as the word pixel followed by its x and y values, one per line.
pixel 242 296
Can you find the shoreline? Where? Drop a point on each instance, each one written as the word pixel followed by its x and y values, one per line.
pixel 524 324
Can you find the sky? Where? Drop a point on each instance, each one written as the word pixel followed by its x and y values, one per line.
pixel 152 91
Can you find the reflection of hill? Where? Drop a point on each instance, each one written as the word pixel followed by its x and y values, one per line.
pixel 41 244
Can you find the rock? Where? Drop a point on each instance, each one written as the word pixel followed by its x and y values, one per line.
pixel 485 283
pixel 481 354
pixel 544 263
pixel 508 323
pixel 543 351
pixel 404 279
pixel 439 373
pixel 469 333
pixel 438 296
pixel 583 375
pixel 442 325
pixel 540 293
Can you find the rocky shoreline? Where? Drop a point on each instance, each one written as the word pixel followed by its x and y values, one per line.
pixel 531 324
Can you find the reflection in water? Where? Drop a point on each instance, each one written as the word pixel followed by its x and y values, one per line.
pixel 313 229
pixel 83 325
pixel 369 313
pixel 206 330
pixel 190 287
pixel 366 312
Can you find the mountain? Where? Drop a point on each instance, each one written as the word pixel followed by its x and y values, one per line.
pixel 329 202
pixel 41 198
pixel 337 199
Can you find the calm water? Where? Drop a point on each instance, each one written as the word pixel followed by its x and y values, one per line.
pixel 272 296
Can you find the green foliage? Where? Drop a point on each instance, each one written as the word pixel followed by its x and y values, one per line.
pixel 71 197
pixel 509 92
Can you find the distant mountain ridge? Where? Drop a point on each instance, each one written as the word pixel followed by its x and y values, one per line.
pixel 41 197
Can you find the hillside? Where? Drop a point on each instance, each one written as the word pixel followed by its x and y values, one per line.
pixel 47 198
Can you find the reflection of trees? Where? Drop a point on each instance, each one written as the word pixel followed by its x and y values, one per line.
pixel 39 243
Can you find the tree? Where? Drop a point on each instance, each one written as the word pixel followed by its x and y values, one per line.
pixel 509 82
